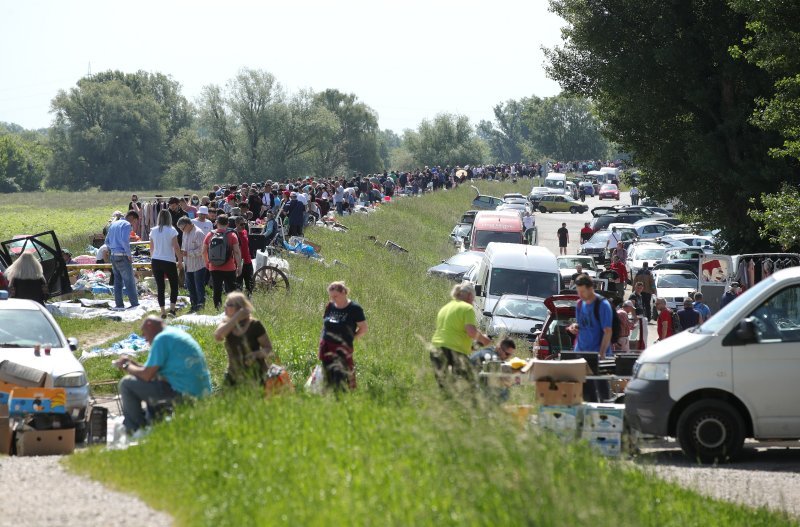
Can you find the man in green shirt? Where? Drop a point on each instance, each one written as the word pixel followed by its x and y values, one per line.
pixel 455 330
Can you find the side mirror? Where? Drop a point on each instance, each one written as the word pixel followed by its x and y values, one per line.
pixel 487 313
pixel 746 332
pixel 73 343
pixel 538 327
pixel 478 290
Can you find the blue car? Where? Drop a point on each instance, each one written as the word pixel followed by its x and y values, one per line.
pixel 587 187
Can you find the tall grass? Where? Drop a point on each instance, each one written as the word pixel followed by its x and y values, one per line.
pixel 395 452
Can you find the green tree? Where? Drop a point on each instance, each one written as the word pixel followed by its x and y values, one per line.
pixel 388 141
pixel 564 127
pixel 106 135
pixel 508 134
pixel 446 140
pixel 771 44
pixel 777 216
pixel 669 92
pixel 23 163
pixel 355 144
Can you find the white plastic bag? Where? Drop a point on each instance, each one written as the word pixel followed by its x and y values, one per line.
pixel 315 382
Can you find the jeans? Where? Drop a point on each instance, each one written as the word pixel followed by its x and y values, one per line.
pixel 220 279
pixel 122 269
pixel 134 391
pixel 646 300
pixel 170 269
pixel 196 284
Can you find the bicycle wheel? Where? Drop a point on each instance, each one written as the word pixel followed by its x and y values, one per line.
pixel 269 278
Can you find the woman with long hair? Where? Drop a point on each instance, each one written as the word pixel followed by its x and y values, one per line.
pixel 246 341
pixel 26 279
pixel 164 253
pixel 343 323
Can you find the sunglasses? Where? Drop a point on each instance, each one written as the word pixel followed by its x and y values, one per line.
pixel 228 304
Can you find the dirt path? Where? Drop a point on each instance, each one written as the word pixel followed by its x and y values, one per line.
pixel 38 491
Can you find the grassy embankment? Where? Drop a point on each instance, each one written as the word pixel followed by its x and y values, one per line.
pixel 394 453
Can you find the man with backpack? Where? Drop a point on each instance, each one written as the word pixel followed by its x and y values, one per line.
pixel 594 319
pixel 223 257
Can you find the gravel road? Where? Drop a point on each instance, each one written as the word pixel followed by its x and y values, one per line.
pixel 38 491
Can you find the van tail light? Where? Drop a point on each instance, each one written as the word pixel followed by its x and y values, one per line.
pixel 541 348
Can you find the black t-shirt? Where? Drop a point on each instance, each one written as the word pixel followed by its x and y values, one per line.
pixel 339 325
pixel 238 348
pixel 562 233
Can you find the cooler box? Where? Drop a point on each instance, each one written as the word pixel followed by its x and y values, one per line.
pixel 603 417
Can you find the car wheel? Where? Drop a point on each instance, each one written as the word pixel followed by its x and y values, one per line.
pixel 542 210
pixel 711 431
pixel 573 210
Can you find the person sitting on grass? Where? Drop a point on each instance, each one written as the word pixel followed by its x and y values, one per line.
pixel 246 342
pixel 175 368
pixel 504 351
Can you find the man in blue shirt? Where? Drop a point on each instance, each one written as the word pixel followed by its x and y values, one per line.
pixel 593 326
pixel 118 241
pixel 175 367
pixel 701 307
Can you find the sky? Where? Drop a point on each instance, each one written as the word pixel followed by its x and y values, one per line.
pixel 409 60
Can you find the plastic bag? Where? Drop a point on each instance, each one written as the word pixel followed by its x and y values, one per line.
pixel 316 381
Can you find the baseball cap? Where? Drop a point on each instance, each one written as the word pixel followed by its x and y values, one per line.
pixel 202 210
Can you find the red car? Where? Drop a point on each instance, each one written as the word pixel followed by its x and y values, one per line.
pixel 609 190
pixel 554 337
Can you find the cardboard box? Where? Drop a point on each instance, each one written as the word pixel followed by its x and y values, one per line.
pixel 25 401
pixel 5 436
pixel 560 370
pixel 608 444
pixel 564 421
pixel 550 393
pixel 5 391
pixel 603 417
pixel 45 442
pixel 24 376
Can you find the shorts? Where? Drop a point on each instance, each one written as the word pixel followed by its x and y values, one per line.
pixel 562 243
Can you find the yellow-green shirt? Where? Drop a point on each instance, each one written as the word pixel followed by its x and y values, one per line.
pixel 450 322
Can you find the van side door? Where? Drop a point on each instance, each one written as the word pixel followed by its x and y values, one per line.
pixel 766 373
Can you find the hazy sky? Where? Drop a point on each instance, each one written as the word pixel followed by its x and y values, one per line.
pixel 407 59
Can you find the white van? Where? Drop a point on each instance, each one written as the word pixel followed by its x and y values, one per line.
pixel 513 268
pixel 732 378
pixel 556 183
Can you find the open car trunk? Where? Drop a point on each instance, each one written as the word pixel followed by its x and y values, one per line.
pixel 47 250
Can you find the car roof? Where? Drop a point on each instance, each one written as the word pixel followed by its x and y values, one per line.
pixel 20 304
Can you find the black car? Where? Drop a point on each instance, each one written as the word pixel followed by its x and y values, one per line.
pixel 602 222
pixel 455 266
pixel 597 244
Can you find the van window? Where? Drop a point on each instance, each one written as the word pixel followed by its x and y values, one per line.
pixel 484 238
pixel 778 319
pixel 520 282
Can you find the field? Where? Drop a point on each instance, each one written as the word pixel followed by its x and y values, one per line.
pixel 396 452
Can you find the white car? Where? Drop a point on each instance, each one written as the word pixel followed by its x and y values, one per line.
pixel 652 228
pixel 518 207
pixel 693 240
pixel 514 197
pixel 641 252
pixel 567 267
pixel 537 193
pixel 516 316
pixel 675 285
pixel 24 323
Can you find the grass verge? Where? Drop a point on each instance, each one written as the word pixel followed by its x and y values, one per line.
pixel 395 452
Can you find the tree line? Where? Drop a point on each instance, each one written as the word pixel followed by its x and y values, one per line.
pixel 117 131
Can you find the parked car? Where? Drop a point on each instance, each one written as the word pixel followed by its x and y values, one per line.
pixel 519 207
pixel 597 244
pixel 561 203
pixel 554 337
pixel 599 223
pixel 587 187
pixel 652 229
pixel 516 316
pixel 623 227
pixel 682 255
pixel 459 232
pixel 514 197
pixel 608 191
pixel 567 267
pixel 693 240
pixel 734 377
pixel 537 193
pixel 674 286
pixel 484 202
pixel 645 212
pixel 454 267
pixel 641 252
pixel 468 217
pixel 25 323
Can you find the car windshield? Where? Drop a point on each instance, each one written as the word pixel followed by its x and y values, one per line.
pixel 600 237
pixel 520 282
pixel 24 328
pixel 463 259
pixel 572 263
pixel 649 254
pixel 527 308
pixel 684 281
pixel 462 230
pixel 715 323
pixel 484 238
pixel 608 186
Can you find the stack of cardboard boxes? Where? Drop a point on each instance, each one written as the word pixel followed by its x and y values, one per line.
pixel 559 394
pixel 33 419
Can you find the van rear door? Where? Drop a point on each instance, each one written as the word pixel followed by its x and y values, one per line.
pixel 715 273
pixel 45 247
